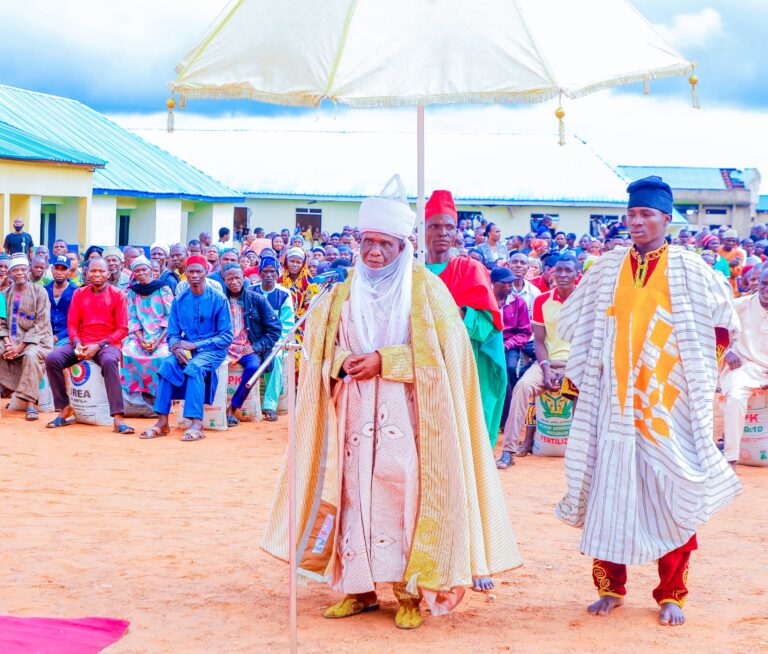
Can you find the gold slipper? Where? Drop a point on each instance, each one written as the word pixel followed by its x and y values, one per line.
pixel 408 615
pixel 348 607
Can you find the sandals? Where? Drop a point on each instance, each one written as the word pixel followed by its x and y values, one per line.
pixel 153 432
pixel 58 421
pixel 32 414
pixel 270 415
pixel 232 421
pixel 193 435
pixel 124 429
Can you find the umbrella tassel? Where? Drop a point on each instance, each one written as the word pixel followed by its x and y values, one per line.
pixel 182 101
pixel 170 103
pixel 560 114
pixel 646 87
pixel 693 80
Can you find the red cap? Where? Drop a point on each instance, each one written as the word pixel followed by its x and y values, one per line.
pixel 441 202
pixel 197 259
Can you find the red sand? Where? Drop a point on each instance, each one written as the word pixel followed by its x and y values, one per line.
pixel 165 534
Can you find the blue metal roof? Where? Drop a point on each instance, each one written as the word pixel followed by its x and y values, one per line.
pixel 19 145
pixel 688 178
pixel 134 166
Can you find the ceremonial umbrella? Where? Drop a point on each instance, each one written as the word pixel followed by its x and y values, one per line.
pixel 371 53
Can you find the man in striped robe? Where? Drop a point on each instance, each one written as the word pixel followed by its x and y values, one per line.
pixel 642 469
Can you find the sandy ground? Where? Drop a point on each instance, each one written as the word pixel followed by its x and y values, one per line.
pixel 165 534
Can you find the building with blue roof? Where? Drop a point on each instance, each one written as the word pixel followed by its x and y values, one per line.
pixel 139 192
pixel 709 197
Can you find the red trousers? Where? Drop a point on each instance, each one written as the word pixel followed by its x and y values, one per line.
pixel 611 578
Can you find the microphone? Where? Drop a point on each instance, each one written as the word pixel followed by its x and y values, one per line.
pixel 331 277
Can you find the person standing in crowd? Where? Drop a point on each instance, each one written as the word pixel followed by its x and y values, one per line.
pixel 194 247
pixel 493 249
pixel 75 276
pixel 60 248
pixel 149 308
pixel 93 252
pixel 400 514
pixel 199 333
pixel 746 364
pixel 552 352
pixel 224 239
pixel 298 281
pixel 734 255
pixel 522 287
pixel 38 270
pixel 547 224
pixel 129 254
pixel 97 325
pixel 25 334
pixel 711 243
pixel 205 242
pixel 543 281
pixel 642 469
pixel 517 327
pixel 18 241
pixel 226 257
pixel 280 300
pixel 5 278
pixel 255 330
pixel 469 285
pixel 116 276
pixel 212 256
pixel 177 261
pixel 60 292
pixel 159 252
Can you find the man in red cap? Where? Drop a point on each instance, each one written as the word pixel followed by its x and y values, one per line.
pixel 470 285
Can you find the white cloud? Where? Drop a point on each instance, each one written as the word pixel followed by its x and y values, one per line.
pixel 691 30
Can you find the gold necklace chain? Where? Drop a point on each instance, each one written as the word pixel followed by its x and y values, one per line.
pixel 641 274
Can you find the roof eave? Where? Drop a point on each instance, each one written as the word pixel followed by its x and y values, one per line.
pixel 132 193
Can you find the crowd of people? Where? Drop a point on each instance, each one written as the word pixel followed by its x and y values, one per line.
pixel 454 350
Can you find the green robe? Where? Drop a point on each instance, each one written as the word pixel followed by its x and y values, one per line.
pixel 490 359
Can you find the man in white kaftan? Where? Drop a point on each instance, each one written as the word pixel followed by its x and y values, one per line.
pixel 642 468
pixel 394 485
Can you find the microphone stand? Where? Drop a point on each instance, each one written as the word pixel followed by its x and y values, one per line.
pixel 288 344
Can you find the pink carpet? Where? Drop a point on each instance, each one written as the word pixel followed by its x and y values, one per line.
pixel 52 636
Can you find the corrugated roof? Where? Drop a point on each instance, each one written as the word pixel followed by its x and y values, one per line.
pixel 135 167
pixel 689 178
pixel 477 167
pixel 19 145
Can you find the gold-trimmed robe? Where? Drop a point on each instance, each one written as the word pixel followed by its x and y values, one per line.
pixel 462 526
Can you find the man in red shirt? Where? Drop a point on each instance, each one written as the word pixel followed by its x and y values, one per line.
pixel 97 323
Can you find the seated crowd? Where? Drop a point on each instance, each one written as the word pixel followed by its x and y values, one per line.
pixel 161 321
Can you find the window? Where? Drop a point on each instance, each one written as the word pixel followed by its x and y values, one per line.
pixel 717 212
pixel 537 218
pixel 597 220
pixel 123 229
pixel 309 217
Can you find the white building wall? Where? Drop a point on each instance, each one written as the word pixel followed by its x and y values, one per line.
pixel 167 221
pixel 103 224
pixel 67 220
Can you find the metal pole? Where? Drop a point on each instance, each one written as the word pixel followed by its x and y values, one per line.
pixel 420 182
pixel 290 353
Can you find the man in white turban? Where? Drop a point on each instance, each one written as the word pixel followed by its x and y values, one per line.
pixel 394 486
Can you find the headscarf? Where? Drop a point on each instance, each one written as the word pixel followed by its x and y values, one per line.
pixel 198 259
pixel 143 290
pixel 708 239
pixel 141 260
pixel 114 252
pixel 296 252
pixel 381 297
pixel 91 250
pixel 269 261
pixel 160 246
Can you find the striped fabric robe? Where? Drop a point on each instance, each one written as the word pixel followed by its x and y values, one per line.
pixel 639 497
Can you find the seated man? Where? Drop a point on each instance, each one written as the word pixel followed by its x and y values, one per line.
pixel 60 292
pixel 746 362
pixel 255 329
pixel 25 333
pixel 280 300
pixel 551 356
pixel 97 324
pixel 199 333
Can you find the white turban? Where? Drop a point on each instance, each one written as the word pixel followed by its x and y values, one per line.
pixel 18 259
pixel 161 246
pixel 391 217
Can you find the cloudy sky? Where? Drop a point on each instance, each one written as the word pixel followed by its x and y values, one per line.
pixel 118 55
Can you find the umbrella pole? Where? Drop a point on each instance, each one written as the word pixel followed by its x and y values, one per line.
pixel 420 182
pixel 290 355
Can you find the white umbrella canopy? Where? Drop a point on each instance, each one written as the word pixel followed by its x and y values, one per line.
pixel 369 53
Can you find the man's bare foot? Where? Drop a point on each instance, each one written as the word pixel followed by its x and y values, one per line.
pixel 671 615
pixel 604 605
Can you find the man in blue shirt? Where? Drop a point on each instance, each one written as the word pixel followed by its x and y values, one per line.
pixel 199 333
pixel 60 292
